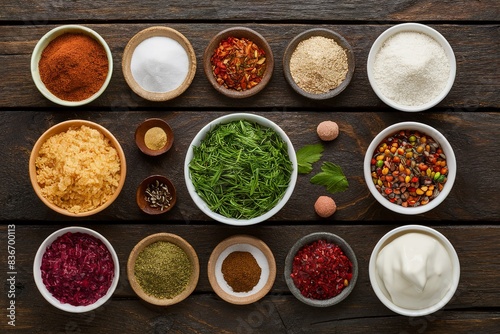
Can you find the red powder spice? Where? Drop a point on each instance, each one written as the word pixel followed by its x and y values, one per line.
pixel 77 269
pixel 321 270
pixel 73 66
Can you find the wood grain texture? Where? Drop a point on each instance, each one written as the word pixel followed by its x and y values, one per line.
pixel 476 83
pixel 279 311
pixel 469 117
pixel 347 151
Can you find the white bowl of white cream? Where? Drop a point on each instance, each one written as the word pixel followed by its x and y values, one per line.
pixel 414 270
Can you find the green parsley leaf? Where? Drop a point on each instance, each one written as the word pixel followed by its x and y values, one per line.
pixel 308 155
pixel 332 177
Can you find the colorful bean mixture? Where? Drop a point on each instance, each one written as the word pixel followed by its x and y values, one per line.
pixel 238 63
pixel 409 168
pixel 321 270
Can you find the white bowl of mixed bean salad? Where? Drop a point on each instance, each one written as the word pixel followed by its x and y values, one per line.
pixel 410 168
pixel 240 169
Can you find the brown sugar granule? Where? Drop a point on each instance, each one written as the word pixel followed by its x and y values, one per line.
pixel 318 65
pixel 241 271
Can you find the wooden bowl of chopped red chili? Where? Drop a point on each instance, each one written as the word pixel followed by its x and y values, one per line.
pixel 238 62
pixel 321 269
pixel 76 269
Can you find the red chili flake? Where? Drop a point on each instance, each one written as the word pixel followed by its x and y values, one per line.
pixel 238 63
pixel 77 269
pixel 321 270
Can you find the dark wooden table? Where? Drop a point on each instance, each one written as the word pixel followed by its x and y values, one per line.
pixel 469 117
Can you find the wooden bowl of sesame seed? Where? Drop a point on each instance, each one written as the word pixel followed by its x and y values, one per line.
pixel 318 63
pixel 156 195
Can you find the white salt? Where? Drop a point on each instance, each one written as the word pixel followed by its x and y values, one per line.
pixel 159 64
pixel 411 68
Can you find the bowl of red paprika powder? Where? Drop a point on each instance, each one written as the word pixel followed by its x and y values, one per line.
pixel 321 269
pixel 76 269
pixel 71 65
pixel 238 62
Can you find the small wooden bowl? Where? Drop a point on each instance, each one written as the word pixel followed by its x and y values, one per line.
pixel 239 32
pixel 324 33
pixel 141 130
pixel 144 205
pixel 261 253
pixel 128 52
pixel 174 239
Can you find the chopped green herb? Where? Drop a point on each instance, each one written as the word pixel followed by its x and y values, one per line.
pixel 332 177
pixel 307 155
pixel 241 169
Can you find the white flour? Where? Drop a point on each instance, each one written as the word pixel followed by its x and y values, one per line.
pixel 411 68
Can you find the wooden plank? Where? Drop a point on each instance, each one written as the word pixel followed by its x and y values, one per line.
pixel 475 183
pixel 205 312
pixel 474 86
pixel 32 11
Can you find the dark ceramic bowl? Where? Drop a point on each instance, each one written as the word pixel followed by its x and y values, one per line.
pixel 324 33
pixel 330 237
pixel 238 32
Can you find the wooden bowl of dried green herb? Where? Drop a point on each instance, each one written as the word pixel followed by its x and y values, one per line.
pixel 241 169
pixel 163 269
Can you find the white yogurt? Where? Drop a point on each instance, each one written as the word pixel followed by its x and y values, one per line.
pixel 416 270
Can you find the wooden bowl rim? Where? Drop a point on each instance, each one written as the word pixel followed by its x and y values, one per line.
pixel 185 246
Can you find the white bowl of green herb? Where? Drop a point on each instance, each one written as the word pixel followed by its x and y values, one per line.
pixel 240 169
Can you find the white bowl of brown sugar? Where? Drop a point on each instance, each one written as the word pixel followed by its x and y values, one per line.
pixel 71 65
pixel 318 63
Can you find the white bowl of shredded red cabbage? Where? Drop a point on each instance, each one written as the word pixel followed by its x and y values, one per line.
pixel 241 169
pixel 76 269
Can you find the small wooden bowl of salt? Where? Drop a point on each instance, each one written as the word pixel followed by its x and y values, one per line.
pixel 159 63
pixel 154 136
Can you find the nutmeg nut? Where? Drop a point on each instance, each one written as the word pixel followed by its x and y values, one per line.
pixel 325 206
pixel 327 130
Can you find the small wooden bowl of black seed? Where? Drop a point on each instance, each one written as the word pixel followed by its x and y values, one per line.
pixel 156 195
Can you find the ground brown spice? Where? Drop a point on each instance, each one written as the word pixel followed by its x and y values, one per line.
pixel 241 271
pixel 318 64
pixel 73 66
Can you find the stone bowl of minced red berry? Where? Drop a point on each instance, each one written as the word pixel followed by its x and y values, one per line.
pixel 76 269
pixel 321 269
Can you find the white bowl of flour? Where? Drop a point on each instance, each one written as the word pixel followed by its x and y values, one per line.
pixel 411 67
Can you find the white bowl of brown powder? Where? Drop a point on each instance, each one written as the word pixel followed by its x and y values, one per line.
pixel 77 168
pixel 318 63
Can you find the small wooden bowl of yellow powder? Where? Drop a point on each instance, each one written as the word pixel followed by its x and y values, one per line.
pixel 163 269
pixel 154 136
pixel 318 63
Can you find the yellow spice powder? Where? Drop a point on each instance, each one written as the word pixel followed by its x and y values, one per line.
pixel 155 138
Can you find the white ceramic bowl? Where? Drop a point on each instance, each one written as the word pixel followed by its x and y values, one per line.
pixel 411 27
pixel 43 289
pixel 198 139
pixel 378 285
pixel 447 150
pixel 45 40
